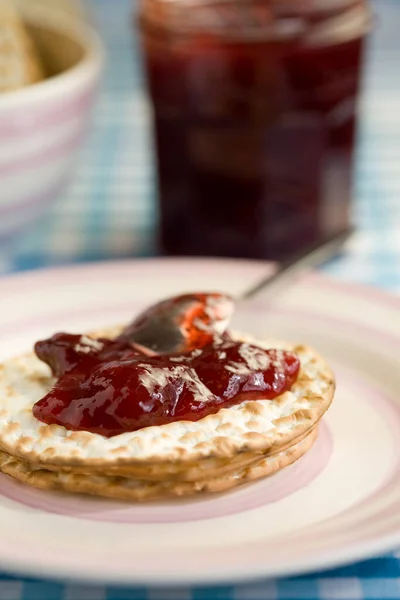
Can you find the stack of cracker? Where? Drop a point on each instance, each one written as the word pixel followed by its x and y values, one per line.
pixel 246 442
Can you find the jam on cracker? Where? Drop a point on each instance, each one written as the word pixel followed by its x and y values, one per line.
pixel 111 387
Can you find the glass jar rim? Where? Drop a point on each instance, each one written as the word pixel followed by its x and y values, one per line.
pixel 354 20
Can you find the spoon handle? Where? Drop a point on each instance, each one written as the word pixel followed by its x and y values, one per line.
pixel 313 256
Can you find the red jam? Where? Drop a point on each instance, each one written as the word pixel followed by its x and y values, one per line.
pixel 181 323
pixel 65 352
pixel 109 387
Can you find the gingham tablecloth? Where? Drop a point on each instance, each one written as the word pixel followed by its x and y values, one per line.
pixel 110 211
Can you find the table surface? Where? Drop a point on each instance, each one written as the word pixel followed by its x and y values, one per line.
pixel 109 211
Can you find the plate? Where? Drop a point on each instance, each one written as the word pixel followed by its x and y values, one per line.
pixel 338 504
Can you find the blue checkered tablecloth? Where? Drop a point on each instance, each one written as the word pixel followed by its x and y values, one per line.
pixel 110 211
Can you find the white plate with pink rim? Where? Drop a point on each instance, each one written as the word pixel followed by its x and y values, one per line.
pixel 339 504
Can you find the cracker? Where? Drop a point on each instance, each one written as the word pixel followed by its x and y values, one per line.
pixel 177 471
pixel 262 426
pixel 122 488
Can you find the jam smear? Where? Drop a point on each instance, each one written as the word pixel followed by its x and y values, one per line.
pixel 109 387
pixel 65 352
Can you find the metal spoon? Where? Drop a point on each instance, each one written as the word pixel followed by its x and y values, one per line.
pixel 314 256
pixel 182 323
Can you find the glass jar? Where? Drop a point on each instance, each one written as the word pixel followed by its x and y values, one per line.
pixel 255 106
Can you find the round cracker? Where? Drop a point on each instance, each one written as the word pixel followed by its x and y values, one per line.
pixel 122 488
pixel 262 426
pixel 183 471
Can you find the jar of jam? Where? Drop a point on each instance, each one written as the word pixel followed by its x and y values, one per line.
pixel 255 113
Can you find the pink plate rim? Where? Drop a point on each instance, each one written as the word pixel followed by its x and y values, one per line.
pixel 19 280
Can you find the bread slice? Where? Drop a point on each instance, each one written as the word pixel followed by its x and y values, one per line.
pixel 57 9
pixel 20 64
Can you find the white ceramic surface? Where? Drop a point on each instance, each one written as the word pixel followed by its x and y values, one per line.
pixel 43 125
pixel 340 503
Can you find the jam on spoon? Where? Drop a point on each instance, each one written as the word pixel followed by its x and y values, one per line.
pixel 115 386
pixel 181 323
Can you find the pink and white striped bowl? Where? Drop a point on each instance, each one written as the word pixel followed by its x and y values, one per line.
pixel 42 126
